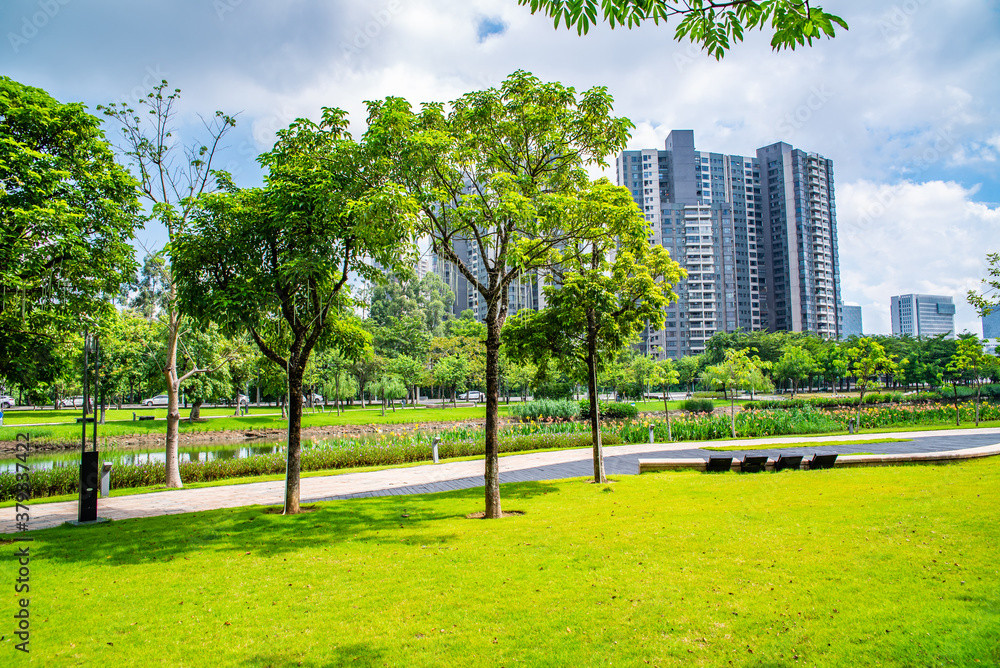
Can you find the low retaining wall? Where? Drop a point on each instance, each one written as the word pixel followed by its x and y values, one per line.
pixel 843 461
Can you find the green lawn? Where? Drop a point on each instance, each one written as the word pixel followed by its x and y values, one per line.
pixel 847 567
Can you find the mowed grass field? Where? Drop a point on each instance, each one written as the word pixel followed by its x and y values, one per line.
pixel 860 567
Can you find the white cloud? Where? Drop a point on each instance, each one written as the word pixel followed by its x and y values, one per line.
pixel 908 95
pixel 929 238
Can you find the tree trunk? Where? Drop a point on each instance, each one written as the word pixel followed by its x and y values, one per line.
pixel 294 455
pixel 957 415
pixel 977 407
pixel 732 412
pixel 196 409
pixel 666 412
pixel 595 406
pixel 173 478
pixel 494 322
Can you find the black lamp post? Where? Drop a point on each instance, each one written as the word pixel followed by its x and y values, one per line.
pixel 89 478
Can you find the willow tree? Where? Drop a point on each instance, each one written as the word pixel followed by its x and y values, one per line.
pixel 609 284
pixel 494 174
pixel 275 261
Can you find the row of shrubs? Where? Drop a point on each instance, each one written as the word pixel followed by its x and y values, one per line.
pixel 386 450
pixel 707 427
pixel 549 409
pixel 989 392
pixel 823 402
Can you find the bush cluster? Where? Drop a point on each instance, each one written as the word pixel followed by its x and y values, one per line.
pixel 748 425
pixel 698 406
pixel 559 409
pixel 609 410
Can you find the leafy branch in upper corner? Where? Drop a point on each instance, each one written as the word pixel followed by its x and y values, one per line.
pixel 715 26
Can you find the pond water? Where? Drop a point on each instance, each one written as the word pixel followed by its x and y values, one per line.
pixel 202 453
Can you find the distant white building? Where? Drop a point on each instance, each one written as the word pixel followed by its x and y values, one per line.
pixel 424 265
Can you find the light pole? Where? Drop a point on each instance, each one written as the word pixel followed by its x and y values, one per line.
pixel 87 508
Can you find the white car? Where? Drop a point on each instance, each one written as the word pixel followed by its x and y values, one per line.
pixel 7 401
pixel 158 400
pixel 72 402
pixel 317 399
pixel 471 395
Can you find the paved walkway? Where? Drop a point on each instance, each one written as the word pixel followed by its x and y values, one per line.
pixel 553 465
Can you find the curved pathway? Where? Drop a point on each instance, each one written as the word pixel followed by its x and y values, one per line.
pixel 553 465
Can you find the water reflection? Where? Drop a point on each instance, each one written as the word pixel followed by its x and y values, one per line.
pixel 134 457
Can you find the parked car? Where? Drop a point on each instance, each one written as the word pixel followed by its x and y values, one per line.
pixel 72 402
pixel 158 400
pixel 471 395
pixel 317 399
pixel 7 401
pixel 244 400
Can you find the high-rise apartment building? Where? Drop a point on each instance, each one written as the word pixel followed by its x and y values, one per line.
pixel 850 321
pixel 991 331
pixel 922 315
pixel 991 324
pixel 800 241
pixel 724 217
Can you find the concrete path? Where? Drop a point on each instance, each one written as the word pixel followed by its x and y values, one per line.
pixel 619 460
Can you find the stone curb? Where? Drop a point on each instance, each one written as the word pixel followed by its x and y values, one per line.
pixel 843 461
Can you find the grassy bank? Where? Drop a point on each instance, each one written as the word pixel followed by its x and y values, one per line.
pixel 880 566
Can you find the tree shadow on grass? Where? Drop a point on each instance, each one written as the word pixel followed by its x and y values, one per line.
pixel 356 654
pixel 259 531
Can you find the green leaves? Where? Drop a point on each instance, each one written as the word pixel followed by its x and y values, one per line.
pixel 67 214
pixel 715 26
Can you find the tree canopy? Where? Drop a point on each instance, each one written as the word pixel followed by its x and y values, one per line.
pixel 275 261
pixel 67 215
pixel 495 174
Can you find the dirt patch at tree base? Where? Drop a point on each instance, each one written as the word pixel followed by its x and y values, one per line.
pixel 481 515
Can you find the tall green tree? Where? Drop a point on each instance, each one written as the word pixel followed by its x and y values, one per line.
pixel 610 283
pixel 171 178
pixel 689 369
pixel 496 172
pixel 67 214
pixel 796 365
pixel 452 373
pixel 740 369
pixel 868 362
pixel 971 362
pixel 715 25
pixel 275 261
pixel 666 375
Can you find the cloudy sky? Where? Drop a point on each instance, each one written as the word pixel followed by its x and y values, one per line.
pixel 906 103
